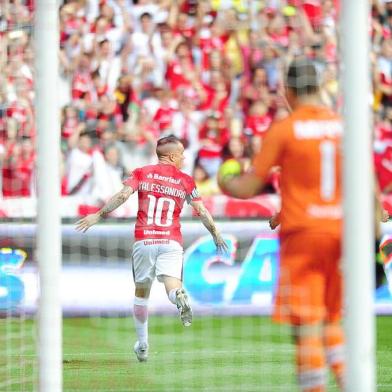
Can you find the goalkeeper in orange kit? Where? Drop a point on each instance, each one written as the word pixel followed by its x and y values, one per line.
pixel 306 146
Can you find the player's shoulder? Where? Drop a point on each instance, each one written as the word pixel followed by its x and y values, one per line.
pixel 166 172
pixel 282 123
pixel 144 170
pixel 313 120
pixel 314 112
pixel 280 128
pixel 148 168
pixel 184 175
pixel 186 180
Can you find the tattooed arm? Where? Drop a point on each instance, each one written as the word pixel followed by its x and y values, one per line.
pixel 209 223
pixel 114 202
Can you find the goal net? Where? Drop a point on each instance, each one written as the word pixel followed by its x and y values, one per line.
pixel 18 268
pixel 211 73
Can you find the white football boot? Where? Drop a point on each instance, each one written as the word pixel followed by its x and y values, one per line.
pixel 184 308
pixel 141 351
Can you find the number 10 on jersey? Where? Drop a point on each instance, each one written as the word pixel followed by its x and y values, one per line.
pixel 155 209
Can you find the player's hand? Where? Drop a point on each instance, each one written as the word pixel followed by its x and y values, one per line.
pixel 221 245
pixel 85 223
pixel 274 221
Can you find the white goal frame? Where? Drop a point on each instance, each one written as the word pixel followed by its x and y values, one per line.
pixel 358 197
pixel 46 29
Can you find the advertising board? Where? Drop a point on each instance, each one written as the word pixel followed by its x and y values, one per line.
pixel 240 282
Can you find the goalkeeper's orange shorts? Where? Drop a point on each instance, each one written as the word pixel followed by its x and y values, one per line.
pixel 310 280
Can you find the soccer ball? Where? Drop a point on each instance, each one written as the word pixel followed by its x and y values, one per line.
pixel 230 168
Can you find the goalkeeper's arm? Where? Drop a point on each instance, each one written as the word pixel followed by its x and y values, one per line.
pixel 274 221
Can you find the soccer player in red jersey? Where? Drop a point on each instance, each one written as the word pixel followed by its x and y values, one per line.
pixel 157 252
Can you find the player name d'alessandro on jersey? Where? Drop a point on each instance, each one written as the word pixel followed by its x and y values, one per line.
pixel 159 188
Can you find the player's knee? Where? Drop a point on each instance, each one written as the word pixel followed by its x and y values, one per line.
pixel 306 330
pixel 142 290
pixel 170 282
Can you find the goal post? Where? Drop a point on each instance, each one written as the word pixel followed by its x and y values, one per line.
pixel 358 198
pixel 48 208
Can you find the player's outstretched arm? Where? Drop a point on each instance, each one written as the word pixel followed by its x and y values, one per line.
pixel 209 223
pixel 114 202
pixel 243 186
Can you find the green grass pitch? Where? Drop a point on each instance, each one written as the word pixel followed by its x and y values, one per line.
pixel 214 354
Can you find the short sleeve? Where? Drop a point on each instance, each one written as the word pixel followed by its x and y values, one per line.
pixel 192 194
pixel 271 151
pixel 133 180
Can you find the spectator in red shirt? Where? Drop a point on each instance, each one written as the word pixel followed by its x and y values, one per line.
pixel 115 54
pixel 164 115
pixel 278 31
pixel 82 83
pixel 256 89
pixel 100 87
pixel 384 67
pixel 181 69
pixel 218 96
pixel 70 122
pixel 259 119
pixel 18 170
pixel 383 166
pixel 212 139
pixel 383 127
pixel 109 111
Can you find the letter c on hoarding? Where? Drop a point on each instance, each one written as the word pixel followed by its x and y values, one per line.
pixel 259 270
pixel 257 276
pixel 198 259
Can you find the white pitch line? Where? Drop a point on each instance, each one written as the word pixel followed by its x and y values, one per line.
pixel 223 352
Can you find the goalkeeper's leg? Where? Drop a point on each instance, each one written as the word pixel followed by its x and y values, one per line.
pixel 334 349
pixel 310 358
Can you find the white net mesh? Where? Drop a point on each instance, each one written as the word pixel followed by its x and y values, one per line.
pixel 211 73
pixel 228 343
pixel 17 281
pixel 17 263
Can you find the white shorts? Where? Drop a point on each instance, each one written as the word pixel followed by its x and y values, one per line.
pixel 154 258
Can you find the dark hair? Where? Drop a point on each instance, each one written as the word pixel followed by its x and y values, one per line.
pixel 84 134
pixel 104 41
pixel 226 150
pixel 302 77
pixel 145 15
pixel 95 74
pixel 171 139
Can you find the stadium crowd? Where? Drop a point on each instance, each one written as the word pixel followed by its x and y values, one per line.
pixel 209 72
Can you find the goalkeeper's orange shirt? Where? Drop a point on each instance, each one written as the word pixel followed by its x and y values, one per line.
pixel 307 147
